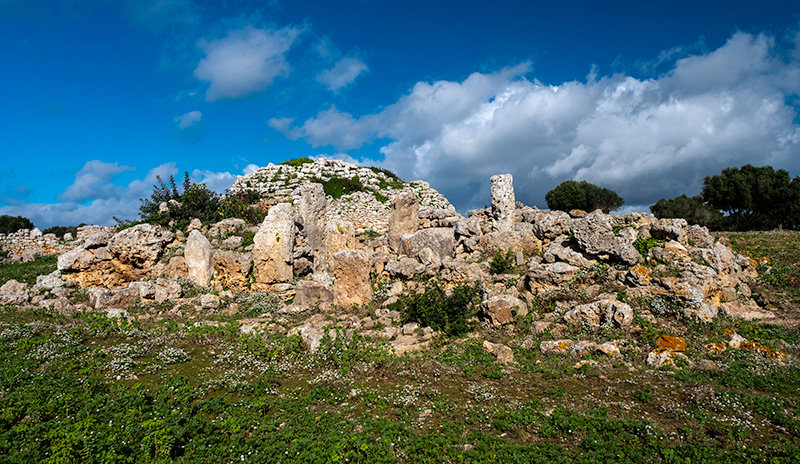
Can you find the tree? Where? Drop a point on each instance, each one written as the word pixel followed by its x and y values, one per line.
pixel 196 201
pixel 582 195
pixel 690 208
pixel 754 197
pixel 11 224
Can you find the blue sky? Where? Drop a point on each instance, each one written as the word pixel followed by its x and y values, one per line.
pixel 97 97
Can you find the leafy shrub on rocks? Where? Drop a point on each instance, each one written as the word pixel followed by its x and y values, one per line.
pixel 435 308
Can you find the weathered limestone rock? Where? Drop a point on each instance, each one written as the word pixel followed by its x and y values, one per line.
pixel 552 224
pixel 351 284
pixel 78 259
pixel 274 243
pixel 311 209
pixel 550 274
pixel 315 291
pixel 199 258
pixel 167 289
pixel 556 346
pixel 116 298
pixel 512 240
pixel 503 353
pixel 671 229
pixel 601 312
pixel 595 235
pixel 226 226
pixel 430 246
pixel 339 235
pixel 503 204
pixel 403 219
pixel 502 309
pixel 13 292
pixel 140 246
pixel 562 249
pixel 404 268
pixel 232 269
pixel 704 313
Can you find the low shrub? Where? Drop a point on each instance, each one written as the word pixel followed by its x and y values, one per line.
pixel 435 308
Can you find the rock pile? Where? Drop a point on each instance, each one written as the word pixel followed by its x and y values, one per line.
pixel 311 249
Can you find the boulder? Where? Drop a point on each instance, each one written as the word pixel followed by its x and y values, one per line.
pixel 403 219
pixel 550 274
pixel 141 245
pixel 339 235
pixel 670 229
pixel 503 204
pixel 232 269
pixel 226 226
pixel 199 258
pixel 603 312
pixel 595 235
pixel 502 309
pixel 116 298
pixel 552 224
pixel 404 268
pixel 351 274
pixel 167 289
pixel 430 246
pixel 314 291
pixel 79 259
pixel 273 246
pixel 13 292
pixel 502 353
pixel 563 249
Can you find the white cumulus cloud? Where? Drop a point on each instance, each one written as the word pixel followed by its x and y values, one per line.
pixel 644 138
pixel 245 61
pixel 188 119
pixel 342 74
pixel 93 181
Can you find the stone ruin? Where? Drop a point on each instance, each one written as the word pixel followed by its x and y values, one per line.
pixel 324 256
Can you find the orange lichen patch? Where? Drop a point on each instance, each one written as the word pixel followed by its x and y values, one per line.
pixel 763 261
pixel 729 331
pixel 640 273
pixel 758 347
pixel 669 343
pixel 715 347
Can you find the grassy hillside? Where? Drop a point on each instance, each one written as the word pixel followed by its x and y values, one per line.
pixel 85 388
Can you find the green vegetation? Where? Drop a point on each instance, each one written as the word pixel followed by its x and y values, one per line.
pixel 297 162
pixel 196 201
pixel 692 209
pixel 338 186
pixel 503 262
pixel 434 307
pixel 755 198
pixel 27 272
pixel 582 195
pixel 643 245
pixel 11 224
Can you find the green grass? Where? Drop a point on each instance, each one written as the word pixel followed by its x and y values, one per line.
pixel 85 388
pixel 27 272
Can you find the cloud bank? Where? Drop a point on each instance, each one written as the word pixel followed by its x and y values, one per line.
pixel 644 138
pixel 245 61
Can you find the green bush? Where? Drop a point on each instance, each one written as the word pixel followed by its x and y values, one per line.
pixel 11 224
pixel 582 195
pixel 503 262
pixel 435 308
pixel 338 186
pixel 242 205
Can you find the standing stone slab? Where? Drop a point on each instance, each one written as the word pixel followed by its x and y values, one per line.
pixel 404 218
pixel 199 258
pixel 351 284
pixel 273 246
pixel 311 209
pixel 502 190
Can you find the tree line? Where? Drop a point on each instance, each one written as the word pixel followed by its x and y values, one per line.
pixel 745 198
